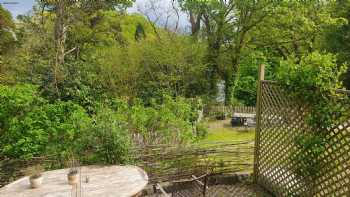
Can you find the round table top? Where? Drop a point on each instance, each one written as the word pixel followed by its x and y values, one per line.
pixel 108 181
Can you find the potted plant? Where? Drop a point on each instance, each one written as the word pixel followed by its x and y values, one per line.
pixel 35 175
pixel 73 176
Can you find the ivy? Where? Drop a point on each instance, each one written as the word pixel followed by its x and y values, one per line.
pixel 312 81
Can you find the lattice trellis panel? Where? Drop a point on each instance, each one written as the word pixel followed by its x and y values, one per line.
pixel 282 120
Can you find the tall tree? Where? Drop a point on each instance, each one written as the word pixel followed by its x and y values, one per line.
pixel 337 38
pixel 7 26
pixel 65 12
pixel 226 24
pixel 7 38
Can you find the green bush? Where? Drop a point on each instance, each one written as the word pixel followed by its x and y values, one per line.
pixel 16 102
pixel 108 141
pixel 201 131
pixel 33 127
pixel 67 123
pixel 165 122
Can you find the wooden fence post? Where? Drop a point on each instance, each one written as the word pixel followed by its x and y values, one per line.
pixel 258 116
pixel 205 185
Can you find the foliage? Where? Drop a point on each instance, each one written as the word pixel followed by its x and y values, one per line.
pixel 33 127
pixel 313 82
pixel 246 85
pixel 167 122
pixel 7 35
pixel 111 53
pixel 336 39
pixel 201 131
pixel 172 67
pixel 220 115
pixel 111 141
pixel 83 71
pixel 16 101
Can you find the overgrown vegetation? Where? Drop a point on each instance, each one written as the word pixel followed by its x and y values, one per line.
pixel 88 77
pixel 314 82
pixel 31 126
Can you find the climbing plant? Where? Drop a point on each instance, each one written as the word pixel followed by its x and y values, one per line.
pixel 313 81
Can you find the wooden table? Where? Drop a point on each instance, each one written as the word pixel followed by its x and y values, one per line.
pixel 116 181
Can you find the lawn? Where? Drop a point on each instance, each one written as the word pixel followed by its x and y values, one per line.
pixel 221 131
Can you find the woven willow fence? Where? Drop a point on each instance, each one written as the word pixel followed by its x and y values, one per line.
pixel 164 162
pixel 170 163
pixel 280 121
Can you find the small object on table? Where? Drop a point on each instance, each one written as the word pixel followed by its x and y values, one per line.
pixel 35 175
pixel 73 176
pixel 35 181
pixel 121 181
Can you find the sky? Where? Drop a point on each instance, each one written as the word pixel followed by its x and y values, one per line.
pixel 164 7
pixel 22 6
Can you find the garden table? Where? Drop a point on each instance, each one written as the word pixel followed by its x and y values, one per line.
pixel 95 181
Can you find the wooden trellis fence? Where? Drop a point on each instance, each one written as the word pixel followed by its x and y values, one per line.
pixel 280 121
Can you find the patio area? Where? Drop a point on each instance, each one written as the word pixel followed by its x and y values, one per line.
pixel 238 185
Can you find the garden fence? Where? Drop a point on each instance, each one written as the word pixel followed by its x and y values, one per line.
pixel 170 163
pixel 281 120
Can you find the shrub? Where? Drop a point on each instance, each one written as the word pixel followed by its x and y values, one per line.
pixel 16 101
pixel 201 131
pixel 109 140
pixel 50 129
pixel 33 127
pixel 167 122
pixel 30 126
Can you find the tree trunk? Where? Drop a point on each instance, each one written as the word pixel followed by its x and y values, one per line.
pixel 60 39
pixel 213 67
pixel 229 87
pixel 231 77
pixel 195 21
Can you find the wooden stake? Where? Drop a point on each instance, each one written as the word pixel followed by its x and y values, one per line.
pixel 258 117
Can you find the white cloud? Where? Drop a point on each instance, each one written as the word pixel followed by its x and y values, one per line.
pixel 164 10
pixel 17 7
pixel 164 13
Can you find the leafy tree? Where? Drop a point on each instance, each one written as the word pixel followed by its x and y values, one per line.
pixel 281 28
pixel 65 12
pixel 226 28
pixel 7 28
pixel 7 40
pixel 337 40
pixel 299 28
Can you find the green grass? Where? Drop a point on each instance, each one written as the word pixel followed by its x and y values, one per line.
pixel 221 131
pixel 224 132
